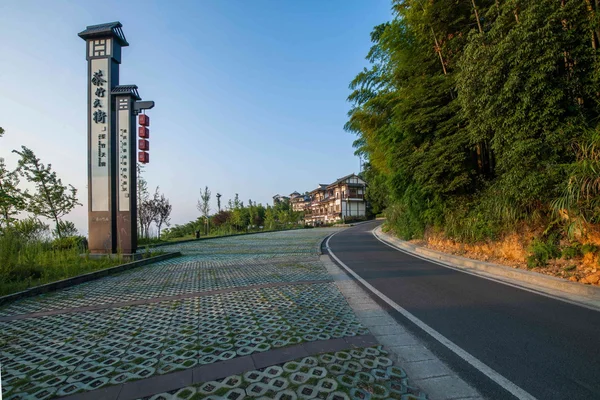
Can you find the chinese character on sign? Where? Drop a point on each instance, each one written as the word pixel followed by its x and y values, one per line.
pixel 97 103
pixel 97 79
pixel 99 116
pixel 100 92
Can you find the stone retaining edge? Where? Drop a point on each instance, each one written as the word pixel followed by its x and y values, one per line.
pixel 501 271
pixel 76 280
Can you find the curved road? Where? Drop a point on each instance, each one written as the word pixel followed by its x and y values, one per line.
pixel 547 347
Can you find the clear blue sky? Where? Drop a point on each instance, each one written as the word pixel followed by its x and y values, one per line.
pixel 250 95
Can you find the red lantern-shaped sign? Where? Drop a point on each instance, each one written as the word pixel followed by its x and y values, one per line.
pixel 144 120
pixel 143 157
pixel 144 145
pixel 144 132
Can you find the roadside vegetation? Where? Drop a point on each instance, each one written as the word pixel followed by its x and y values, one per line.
pixel 32 252
pixel 30 256
pixel 479 124
pixel 234 217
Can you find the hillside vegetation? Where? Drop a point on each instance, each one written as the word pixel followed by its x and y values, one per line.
pixel 478 121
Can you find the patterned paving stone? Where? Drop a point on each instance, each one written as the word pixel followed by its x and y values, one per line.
pixel 63 354
pixel 322 377
pixel 206 265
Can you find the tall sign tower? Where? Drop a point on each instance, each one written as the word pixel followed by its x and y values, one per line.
pixel 111 108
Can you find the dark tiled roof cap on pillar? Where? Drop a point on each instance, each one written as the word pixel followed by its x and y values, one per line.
pixel 127 89
pixel 112 29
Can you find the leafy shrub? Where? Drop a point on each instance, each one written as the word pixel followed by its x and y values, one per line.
pixel 25 273
pixel 30 229
pixel 406 217
pixel 541 252
pixel 67 229
pixel 589 248
pixel 72 242
pixel 571 251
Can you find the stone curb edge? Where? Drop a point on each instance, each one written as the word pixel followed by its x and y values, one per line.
pixel 76 280
pixel 496 270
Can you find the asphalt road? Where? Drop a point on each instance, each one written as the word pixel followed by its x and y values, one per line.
pixel 549 348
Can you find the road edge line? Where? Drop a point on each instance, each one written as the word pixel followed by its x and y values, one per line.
pixel 474 362
pixel 532 288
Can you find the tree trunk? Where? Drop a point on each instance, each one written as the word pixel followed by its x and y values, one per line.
pixel 439 51
pixel 50 204
pixel 592 13
pixel 477 16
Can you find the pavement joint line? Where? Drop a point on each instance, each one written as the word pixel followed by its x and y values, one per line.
pixel 582 301
pixel 467 398
pixel 500 380
pixel 161 383
pixel 155 300
pixel 432 376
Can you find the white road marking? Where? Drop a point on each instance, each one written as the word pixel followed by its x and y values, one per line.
pixel 479 365
pixel 486 275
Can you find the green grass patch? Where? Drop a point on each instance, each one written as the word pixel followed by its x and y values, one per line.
pixel 25 263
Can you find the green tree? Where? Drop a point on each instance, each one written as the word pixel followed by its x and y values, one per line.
pixel 203 206
pixel 144 212
pixel 471 112
pixel 12 199
pixel 163 211
pixel 52 199
pixel 270 221
pixel 67 229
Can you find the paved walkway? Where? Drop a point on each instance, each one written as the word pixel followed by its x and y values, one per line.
pixel 242 317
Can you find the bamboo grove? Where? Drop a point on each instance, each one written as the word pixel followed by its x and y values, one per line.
pixel 478 115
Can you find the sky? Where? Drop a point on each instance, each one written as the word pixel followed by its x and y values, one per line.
pixel 250 95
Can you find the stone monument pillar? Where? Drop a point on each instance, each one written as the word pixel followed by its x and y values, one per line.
pixel 103 53
pixel 125 97
pixel 112 108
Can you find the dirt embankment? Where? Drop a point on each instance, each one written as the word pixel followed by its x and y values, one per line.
pixel 512 250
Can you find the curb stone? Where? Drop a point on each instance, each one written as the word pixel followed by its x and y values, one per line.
pixel 557 287
pixel 91 276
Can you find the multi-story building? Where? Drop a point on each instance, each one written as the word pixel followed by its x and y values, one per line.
pixel 342 200
pixel 299 201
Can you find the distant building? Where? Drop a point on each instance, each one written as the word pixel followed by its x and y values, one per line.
pixel 339 201
pixel 280 199
pixel 299 201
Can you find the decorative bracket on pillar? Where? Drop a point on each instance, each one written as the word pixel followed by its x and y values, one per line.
pixel 138 106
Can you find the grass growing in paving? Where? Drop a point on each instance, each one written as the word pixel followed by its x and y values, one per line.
pixel 88 350
pixel 362 373
pixel 62 354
